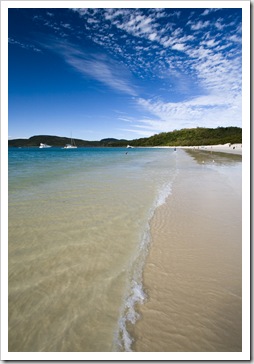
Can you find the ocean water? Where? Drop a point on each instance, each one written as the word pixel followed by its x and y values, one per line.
pixel 79 235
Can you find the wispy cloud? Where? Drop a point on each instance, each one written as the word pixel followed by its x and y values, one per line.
pixel 104 71
pixel 199 25
pixel 141 132
pixel 179 46
pixel 206 111
pixel 27 46
pixel 220 104
pixel 209 11
pixel 95 66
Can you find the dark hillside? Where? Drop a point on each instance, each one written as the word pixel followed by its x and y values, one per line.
pixel 195 136
pixel 183 137
pixel 54 141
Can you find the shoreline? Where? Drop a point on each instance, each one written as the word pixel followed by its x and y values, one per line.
pixel 221 148
pixel 193 270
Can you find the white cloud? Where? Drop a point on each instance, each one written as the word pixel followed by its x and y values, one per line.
pixel 138 25
pixel 206 111
pixel 219 25
pixel 167 41
pixel 174 14
pixel 153 36
pixel 199 25
pixel 206 12
pixel 179 46
pixel 111 14
pixel 220 105
pixel 23 45
pixel 84 11
pixel 199 52
pixel 139 132
pixel 210 43
pixel 66 25
pixel 92 21
pixel 102 72
pixel 209 11
pixel 98 67
pixel 235 38
pixel 135 22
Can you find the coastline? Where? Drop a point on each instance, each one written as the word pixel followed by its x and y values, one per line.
pixel 221 148
pixel 192 274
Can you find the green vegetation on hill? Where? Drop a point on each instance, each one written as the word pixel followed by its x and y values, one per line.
pixel 192 137
pixel 183 137
pixel 54 141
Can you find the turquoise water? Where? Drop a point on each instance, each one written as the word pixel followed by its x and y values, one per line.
pixel 78 239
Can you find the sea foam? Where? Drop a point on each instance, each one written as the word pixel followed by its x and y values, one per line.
pixel 136 295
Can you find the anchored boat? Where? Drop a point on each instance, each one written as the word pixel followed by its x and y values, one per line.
pixel 42 145
pixel 71 146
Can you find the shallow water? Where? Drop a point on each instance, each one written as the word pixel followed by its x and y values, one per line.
pixel 78 239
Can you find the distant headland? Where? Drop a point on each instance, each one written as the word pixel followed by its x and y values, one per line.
pixel 184 137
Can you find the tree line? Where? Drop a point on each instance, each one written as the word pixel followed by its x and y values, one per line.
pixel 183 137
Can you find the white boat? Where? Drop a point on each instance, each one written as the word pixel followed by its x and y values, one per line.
pixel 129 146
pixel 71 146
pixel 42 145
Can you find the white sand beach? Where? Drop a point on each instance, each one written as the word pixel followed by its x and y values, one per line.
pixel 222 148
pixel 193 271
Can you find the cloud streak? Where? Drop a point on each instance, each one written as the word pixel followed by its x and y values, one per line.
pixel 204 111
pixel 95 66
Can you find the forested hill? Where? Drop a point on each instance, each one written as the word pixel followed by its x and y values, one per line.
pixel 192 137
pixel 183 137
pixel 56 141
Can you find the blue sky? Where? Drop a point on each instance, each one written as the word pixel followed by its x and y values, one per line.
pixel 123 73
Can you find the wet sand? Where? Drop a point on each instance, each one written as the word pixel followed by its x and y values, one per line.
pixel 193 271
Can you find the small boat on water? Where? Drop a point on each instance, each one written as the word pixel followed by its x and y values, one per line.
pixel 71 146
pixel 129 146
pixel 42 145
